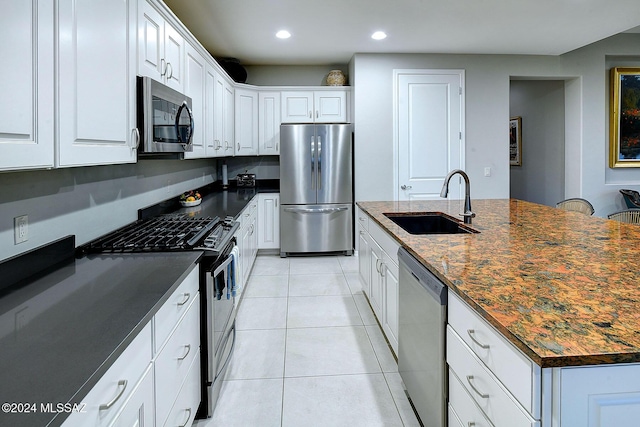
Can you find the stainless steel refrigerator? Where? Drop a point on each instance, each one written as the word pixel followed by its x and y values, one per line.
pixel 316 191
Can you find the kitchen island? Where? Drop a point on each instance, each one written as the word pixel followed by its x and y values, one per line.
pixel 559 286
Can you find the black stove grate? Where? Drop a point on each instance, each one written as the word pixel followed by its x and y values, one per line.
pixel 163 233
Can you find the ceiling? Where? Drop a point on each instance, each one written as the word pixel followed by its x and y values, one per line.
pixel 331 31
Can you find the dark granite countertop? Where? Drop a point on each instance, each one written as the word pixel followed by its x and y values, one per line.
pixel 61 333
pixel 561 286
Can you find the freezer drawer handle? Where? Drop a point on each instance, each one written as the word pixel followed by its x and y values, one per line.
pixel 321 210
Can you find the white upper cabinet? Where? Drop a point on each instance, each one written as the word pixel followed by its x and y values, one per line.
pixel 246 122
pixel 228 100
pixel 269 123
pixel 96 44
pixel 26 123
pixel 329 106
pixel 160 48
pixel 195 74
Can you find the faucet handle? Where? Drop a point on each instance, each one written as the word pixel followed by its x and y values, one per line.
pixel 467 216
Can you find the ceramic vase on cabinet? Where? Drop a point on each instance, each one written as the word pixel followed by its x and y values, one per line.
pixel 336 78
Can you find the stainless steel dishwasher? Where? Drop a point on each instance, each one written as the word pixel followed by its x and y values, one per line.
pixel 421 339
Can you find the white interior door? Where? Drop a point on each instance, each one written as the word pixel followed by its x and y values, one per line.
pixel 429 131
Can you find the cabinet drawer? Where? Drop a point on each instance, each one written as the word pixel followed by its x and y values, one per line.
pixel 116 385
pixel 466 411
pixel 516 371
pixel 483 387
pixel 171 311
pixel 173 362
pixel 386 242
pixel 185 407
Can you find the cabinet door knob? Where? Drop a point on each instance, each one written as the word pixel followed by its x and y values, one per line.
pixel 406 187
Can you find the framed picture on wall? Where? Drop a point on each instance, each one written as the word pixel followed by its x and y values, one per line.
pixel 515 141
pixel 624 118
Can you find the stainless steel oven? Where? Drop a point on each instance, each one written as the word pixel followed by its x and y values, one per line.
pixel 165 121
pixel 218 324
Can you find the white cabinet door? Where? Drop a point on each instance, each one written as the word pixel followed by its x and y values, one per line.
pixel 390 273
pixel 228 118
pixel 314 106
pixel 174 47
pixel 376 295
pixel 364 261
pixel 330 107
pixel 26 123
pixel 218 115
pixel 138 411
pixel 209 111
pixel 194 88
pixel 269 123
pixel 246 122
pixel 269 221
pixel 600 396
pixel 160 48
pixel 97 87
pixel 297 107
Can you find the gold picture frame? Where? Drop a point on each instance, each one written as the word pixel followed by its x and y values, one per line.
pixel 515 141
pixel 624 118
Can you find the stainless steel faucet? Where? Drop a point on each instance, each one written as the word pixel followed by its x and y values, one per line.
pixel 467 193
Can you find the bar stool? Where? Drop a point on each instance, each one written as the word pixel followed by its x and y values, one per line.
pixel 577 205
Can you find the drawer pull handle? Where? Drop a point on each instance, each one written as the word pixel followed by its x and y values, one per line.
pixel 188 418
pixel 471 332
pixel 471 424
pixel 188 347
pixel 187 295
pixel 469 379
pixel 122 383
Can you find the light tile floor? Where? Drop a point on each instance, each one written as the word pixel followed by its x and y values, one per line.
pixel 309 352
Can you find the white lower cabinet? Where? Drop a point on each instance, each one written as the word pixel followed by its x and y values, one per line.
pixel 184 409
pixel 156 379
pixel 247 241
pixel 268 221
pixel 462 409
pixel 108 397
pixel 138 411
pixel 378 270
pixel 172 364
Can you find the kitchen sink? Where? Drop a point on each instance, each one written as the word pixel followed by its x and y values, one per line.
pixel 428 223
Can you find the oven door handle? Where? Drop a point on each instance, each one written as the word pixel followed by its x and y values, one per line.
pixel 223 267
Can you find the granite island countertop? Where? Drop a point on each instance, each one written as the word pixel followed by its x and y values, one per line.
pixel 561 286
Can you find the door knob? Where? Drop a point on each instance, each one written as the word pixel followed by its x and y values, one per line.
pixel 406 187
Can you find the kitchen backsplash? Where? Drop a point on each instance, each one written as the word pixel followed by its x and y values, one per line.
pixel 90 201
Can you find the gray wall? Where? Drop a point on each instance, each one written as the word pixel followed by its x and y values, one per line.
pixel 90 201
pixel 292 75
pixel 585 73
pixel 540 103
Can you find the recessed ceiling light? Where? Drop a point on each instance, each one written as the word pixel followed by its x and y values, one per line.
pixel 283 34
pixel 379 35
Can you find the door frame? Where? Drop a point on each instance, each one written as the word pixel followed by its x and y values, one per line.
pixel 396 127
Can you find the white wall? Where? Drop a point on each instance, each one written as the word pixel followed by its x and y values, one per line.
pixel 90 201
pixel 540 103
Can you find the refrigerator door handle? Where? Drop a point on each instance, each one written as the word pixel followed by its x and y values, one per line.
pixel 319 210
pixel 313 164
pixel 319 163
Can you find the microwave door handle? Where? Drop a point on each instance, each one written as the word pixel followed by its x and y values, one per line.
pixel 189 140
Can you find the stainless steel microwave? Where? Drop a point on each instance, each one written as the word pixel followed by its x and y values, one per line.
pixel 165 121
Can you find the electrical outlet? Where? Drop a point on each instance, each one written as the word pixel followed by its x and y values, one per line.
pixel 21 229
pixel 168 187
